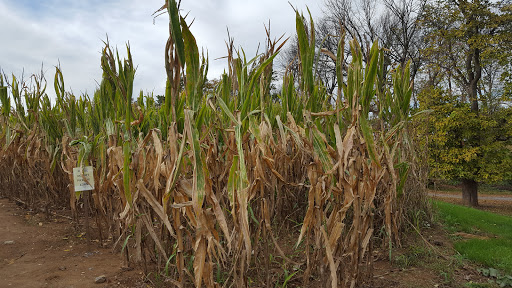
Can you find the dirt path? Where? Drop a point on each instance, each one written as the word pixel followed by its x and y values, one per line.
pixel 480 197
pixel 39 252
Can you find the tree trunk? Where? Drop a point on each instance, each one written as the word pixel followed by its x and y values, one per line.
pixel 470 192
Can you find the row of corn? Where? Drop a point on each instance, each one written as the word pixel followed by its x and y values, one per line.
pixel 224 186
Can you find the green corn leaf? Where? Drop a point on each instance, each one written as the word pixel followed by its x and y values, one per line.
pixel 59 85
pixel 368 137
pixel 320 148
pixel 253 112
pixel 357 55
pixel 403 169
pixel 244 182
pixel 193 66
pixel 305 51
pixel 312 36
pixel 200 115
pixel 407 90
pixel 199 176
pixel 251 214
pixel 54 161
pixel 256 75
pixel 422 112
pixel 369 81
pixel 226 110
pixel 394 130
pixel 233 180
pixel 6 101
pixel 224 89
pixel 246 105
pixel 127 172
pixel 340 57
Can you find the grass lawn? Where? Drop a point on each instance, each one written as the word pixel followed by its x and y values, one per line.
pixel 494 251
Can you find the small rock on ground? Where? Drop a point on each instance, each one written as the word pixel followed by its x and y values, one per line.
pixel 10 242
pixel 100 279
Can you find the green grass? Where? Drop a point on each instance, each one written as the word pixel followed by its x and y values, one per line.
pixel 494 252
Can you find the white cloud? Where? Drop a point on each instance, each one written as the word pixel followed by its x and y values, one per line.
pixel 72 32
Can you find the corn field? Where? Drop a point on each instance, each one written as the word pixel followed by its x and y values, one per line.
pixel 223 187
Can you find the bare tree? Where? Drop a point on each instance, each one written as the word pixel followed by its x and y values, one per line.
pixel 358 18
pixel 401 32
pixel 395 23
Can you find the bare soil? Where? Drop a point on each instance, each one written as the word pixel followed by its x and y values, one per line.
pixel 51 252
pixel 426 260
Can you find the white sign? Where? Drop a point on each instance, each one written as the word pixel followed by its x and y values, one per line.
pixel 83 181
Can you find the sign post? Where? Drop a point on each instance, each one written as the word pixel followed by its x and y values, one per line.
pixel 83 179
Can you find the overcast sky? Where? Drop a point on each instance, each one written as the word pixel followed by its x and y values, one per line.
pixel 46 32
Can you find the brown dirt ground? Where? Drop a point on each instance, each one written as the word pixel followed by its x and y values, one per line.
pixel 428 260
pixel 51 253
